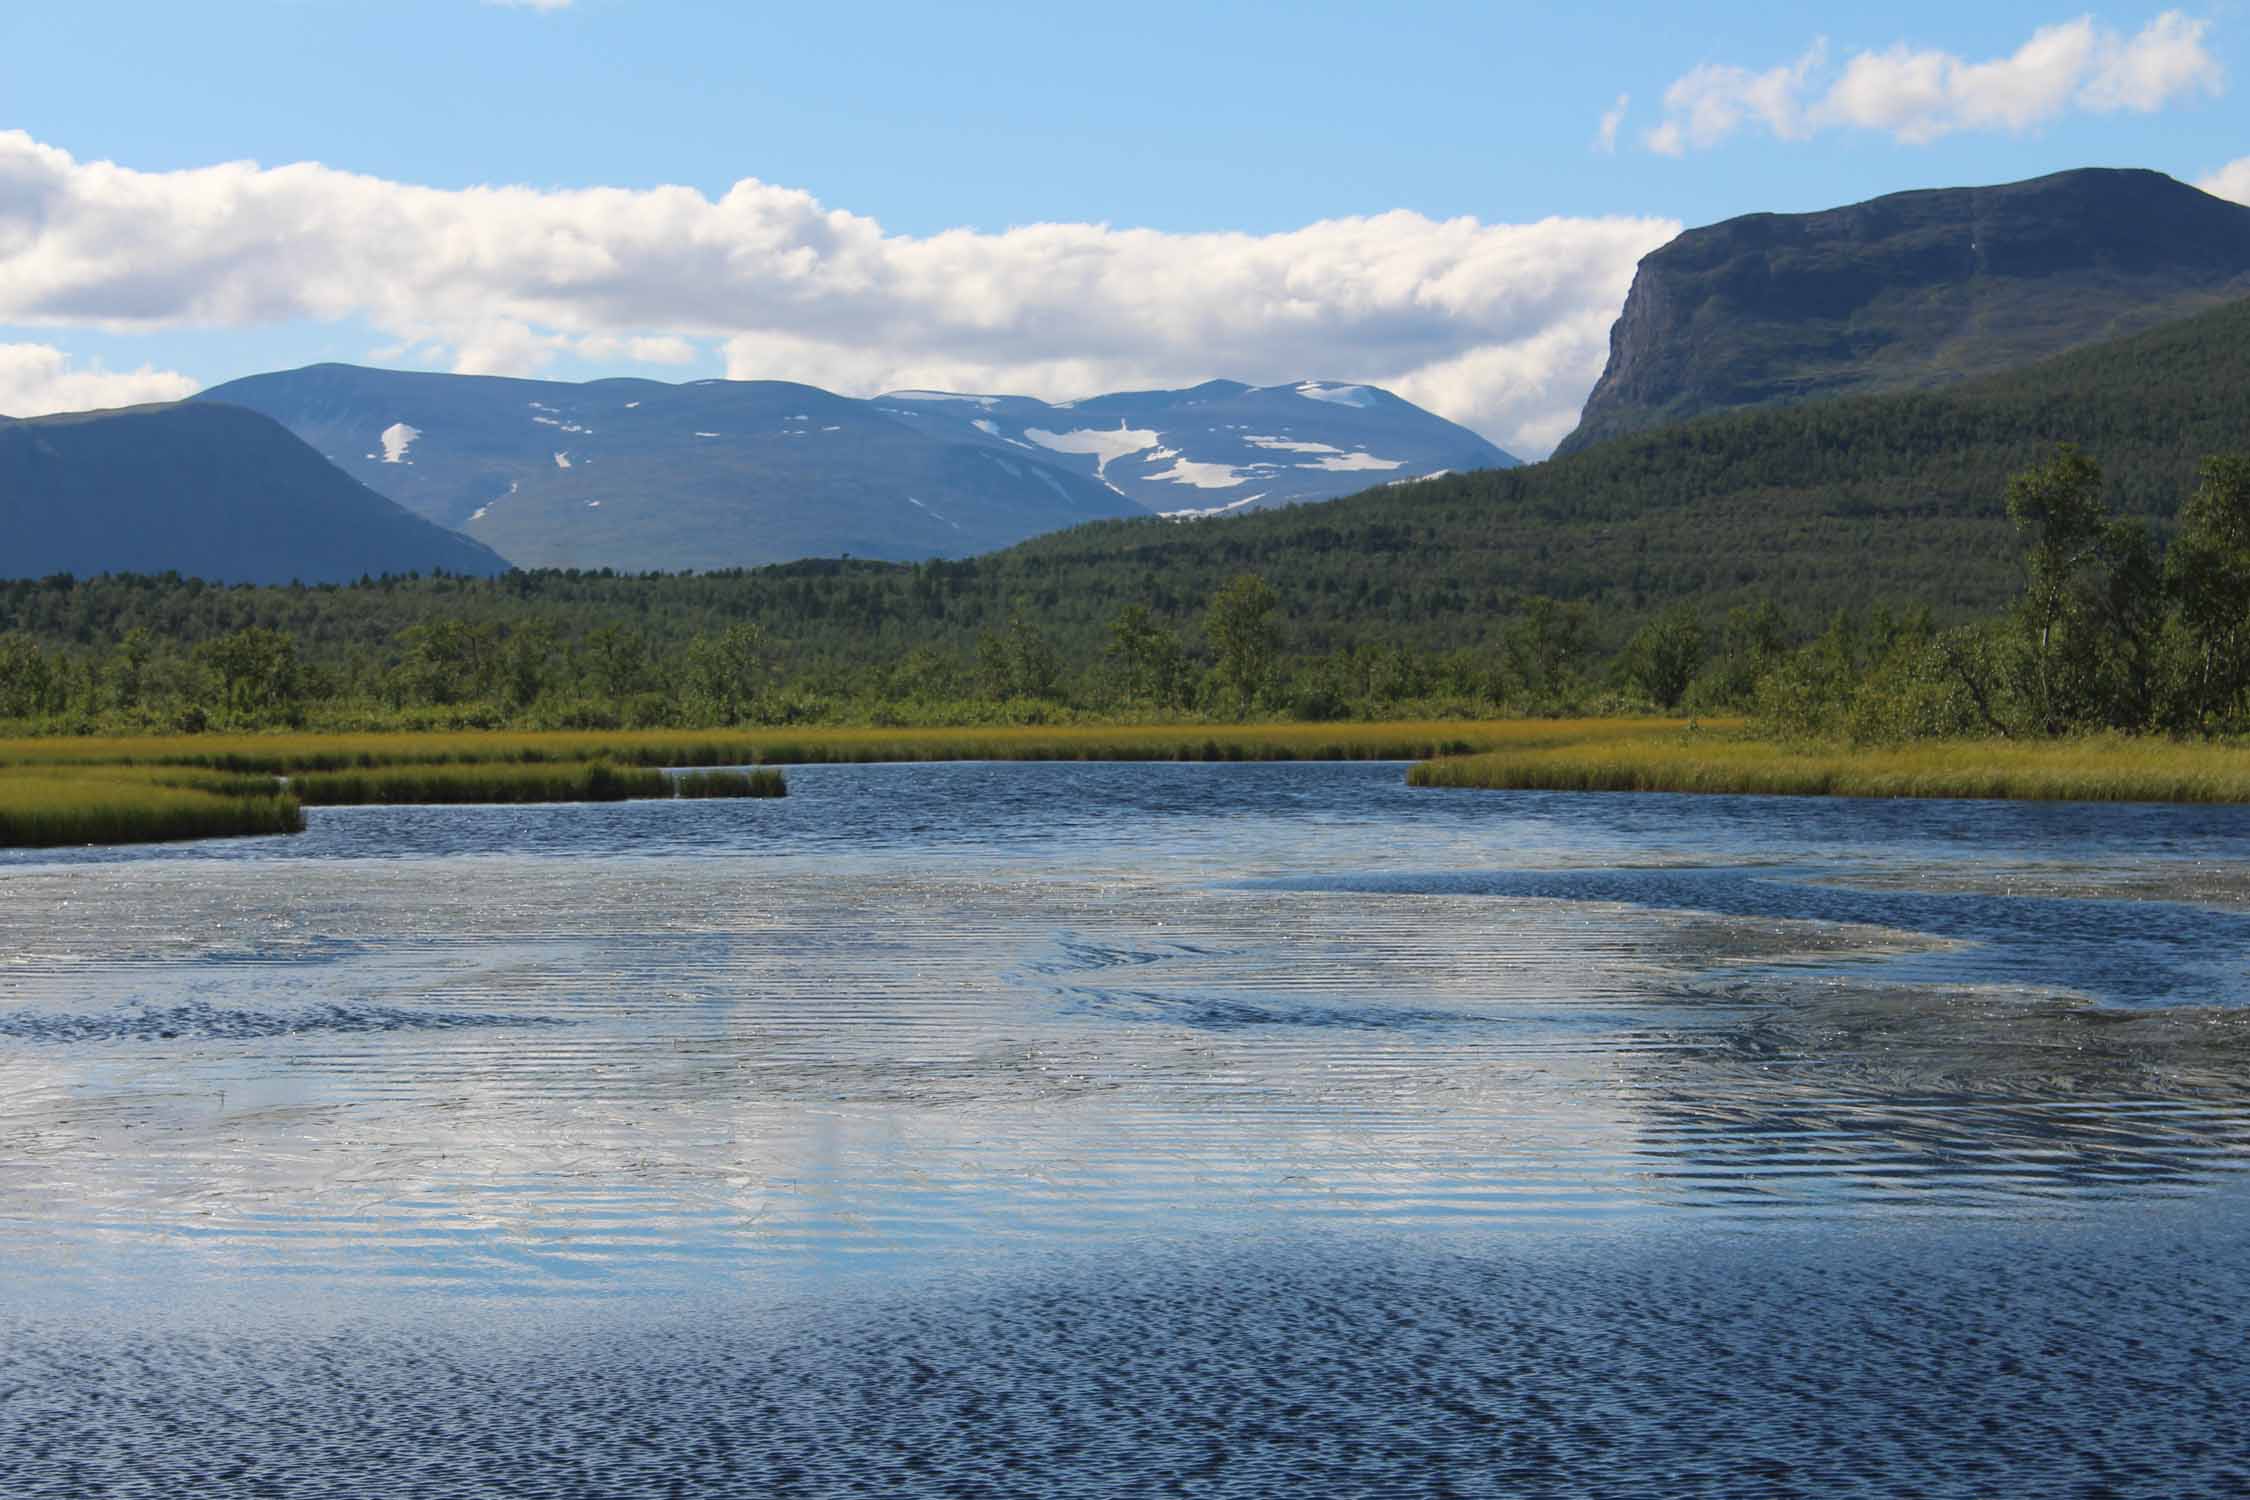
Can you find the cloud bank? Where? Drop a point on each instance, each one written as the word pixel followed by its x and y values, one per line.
pixel 1917 96
pixel 2230 181
pixel 36 379
pixel 1502 327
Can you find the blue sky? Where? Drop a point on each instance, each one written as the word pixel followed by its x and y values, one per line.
pixel 1226 132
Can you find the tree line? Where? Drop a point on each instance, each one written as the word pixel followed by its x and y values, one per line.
pixel 2113 627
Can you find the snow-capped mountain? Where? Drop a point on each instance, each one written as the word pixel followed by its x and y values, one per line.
pixel 1216 447
pixel 639 475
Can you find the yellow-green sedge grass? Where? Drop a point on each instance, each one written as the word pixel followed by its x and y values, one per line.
pixel 45 807
pixel 2097 769
pixel 299 754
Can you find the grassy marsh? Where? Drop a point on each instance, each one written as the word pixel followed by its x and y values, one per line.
pixel 2095 769
pixel 301 754
pixel 52 806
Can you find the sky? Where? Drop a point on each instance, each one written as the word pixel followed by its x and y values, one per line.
pixel 1444 199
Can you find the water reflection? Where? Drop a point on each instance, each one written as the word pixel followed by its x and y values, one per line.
pixel 1200 999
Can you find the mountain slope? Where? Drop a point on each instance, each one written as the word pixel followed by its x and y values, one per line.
pixel 637 474
pixel 640 475
pixel 207 490
pixel 1220 446
pixel 1911 291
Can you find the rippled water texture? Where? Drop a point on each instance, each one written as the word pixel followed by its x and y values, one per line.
pixel 1133 1129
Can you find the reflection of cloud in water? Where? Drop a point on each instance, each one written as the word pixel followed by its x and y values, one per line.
pixel 778 1058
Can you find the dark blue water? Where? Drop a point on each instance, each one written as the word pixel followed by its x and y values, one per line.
pixel 1151 1129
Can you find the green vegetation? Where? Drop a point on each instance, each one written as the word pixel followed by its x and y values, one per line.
pixel 299 755
pixel 2109 768
pixel 44 806
pixel 730 784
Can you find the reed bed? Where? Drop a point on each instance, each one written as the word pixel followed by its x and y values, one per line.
pixel 2103 769
pixel 758 783
pixel 301 754
pixel 48 807
pixel 585 781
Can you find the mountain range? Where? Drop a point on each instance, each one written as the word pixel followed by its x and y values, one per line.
pixel 639 475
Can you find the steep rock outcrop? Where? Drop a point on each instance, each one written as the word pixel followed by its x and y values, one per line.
pixel 1911 291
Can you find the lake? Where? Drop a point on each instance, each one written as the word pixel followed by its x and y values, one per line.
pixel 1140 1129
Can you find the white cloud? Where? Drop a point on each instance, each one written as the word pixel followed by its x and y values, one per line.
pixel 2230 181
pixel 1709 103
pixel 1605 135
pixel 1919 95
pixel 36 379
pixel 1486 321
pixel 530 4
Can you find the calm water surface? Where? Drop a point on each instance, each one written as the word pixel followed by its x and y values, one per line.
pixel 1133 1129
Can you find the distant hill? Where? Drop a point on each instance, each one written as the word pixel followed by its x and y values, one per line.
pixel 206 490
pixel 1917 290
pixel 641 475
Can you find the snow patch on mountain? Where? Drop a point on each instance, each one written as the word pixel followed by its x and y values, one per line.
pixel 562 460
pixel 1216 510
pixel 1354 463
pixel 1202 475
pixel 396 439
pixel 1340 395
pixel 1289 445
pixel 1106 446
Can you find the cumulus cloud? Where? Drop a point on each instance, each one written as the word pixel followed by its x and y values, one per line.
pixel 1488 323
pixel 1919 95
pixel 36 379
pixel 2230 181
pixel 1605 134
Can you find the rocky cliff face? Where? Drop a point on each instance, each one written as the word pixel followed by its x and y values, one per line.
pixel 1908 291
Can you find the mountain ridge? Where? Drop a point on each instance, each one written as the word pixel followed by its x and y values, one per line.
pixel 647 475
pixel 1911 290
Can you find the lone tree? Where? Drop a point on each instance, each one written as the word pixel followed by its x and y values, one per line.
pixel 1245 637
pixel 1665 655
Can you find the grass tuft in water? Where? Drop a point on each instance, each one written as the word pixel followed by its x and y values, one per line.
pixel 758 783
